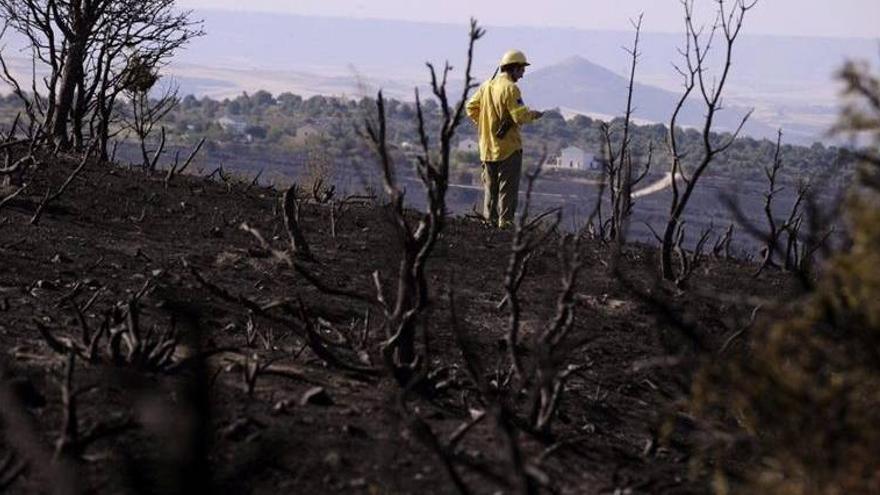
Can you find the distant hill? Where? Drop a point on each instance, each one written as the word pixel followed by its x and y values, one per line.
pixel 788 80
pixel 579 85
pixel 291 42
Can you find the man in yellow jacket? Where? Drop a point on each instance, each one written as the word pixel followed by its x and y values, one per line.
pixel 498 111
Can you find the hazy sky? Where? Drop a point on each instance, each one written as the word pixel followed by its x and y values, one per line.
pixel 846 18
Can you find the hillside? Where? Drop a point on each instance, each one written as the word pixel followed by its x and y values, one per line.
pixel 249 51
pixel 579 85
pixel 120 251
pixel 293 53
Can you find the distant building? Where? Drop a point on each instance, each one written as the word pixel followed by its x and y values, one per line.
pixel 574 158
pixel 468 145
pixel 306 132
pixel 232 124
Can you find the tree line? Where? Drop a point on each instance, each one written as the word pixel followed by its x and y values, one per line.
pixel 273 120
pixel 95 54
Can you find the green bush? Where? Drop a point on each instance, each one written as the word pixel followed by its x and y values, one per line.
pixel 798 411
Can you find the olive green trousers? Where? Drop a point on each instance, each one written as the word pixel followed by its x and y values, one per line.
pixel 501 189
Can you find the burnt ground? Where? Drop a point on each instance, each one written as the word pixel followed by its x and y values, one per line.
pixel 119 234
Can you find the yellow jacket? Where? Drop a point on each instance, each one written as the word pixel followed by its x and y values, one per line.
pixel 496 99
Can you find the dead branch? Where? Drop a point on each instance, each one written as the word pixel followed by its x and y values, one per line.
pixel 22 434
pixel 13 129
pixel 322 194
pixel 417 245
pixel 13 195
pixel 524 484
pixel 10 470
pixel 16 168
pixel 338 207
pixel 721 249
pixel 175 170
pixel 319 346
pixel 689 262
pixel 423 432
pixel 252 333
pixel 307 331
pixel 50 197
pixel 159 150
pixel 68 443
pixel 125 346
pixel 252 369
pixel 299 247
pixel 735 335
pixel 792 227
pixel 774 231
pixel 620 166
pixel 333 291
pixel 524 243
pixel 695 54
pixel 549 380
pixel 460 432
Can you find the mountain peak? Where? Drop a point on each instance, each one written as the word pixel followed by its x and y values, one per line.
pixel 576 60
pixel 578 67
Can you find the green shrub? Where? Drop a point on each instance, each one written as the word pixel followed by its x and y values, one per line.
pixel 798 411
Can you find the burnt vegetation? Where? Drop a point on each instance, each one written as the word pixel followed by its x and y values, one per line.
pixel 166 332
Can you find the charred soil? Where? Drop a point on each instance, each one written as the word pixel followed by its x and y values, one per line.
pixel 240 403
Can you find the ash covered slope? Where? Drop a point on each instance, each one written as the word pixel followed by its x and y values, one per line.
pixel 117 233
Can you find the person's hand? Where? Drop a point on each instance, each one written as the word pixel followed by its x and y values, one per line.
pixel 536 114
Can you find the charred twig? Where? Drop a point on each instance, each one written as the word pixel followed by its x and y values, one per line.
pixel 460 432
pixel 339 207
pixel 417 245
pixel 11 469
pixel 16 168
pixel 735 335
pixel 619 162
pixel 68 442
pixel 524 483
pixel 319 347
pixel 256 180
pixel 50 197
pixel 424 434
pixel 252 369
pixel 320 193
pixel 525 242
pixel 151 165
pixel 126 346
pixel 13 195
pixel 252 333
pixel 175 170
pixel 470 355
pixel 549 380
pixel 664 311
pixel 291 208
pixel 772 236
pixel 694 76
pixel 23 435
pixel 722 244
pixel 332 291
pixel 688 263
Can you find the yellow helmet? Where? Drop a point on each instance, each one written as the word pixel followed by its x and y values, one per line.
pixel 513 57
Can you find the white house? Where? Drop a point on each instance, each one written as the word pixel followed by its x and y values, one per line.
pixel 232 124
pixel 306 132
pixel 574 158
pixel 468 145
